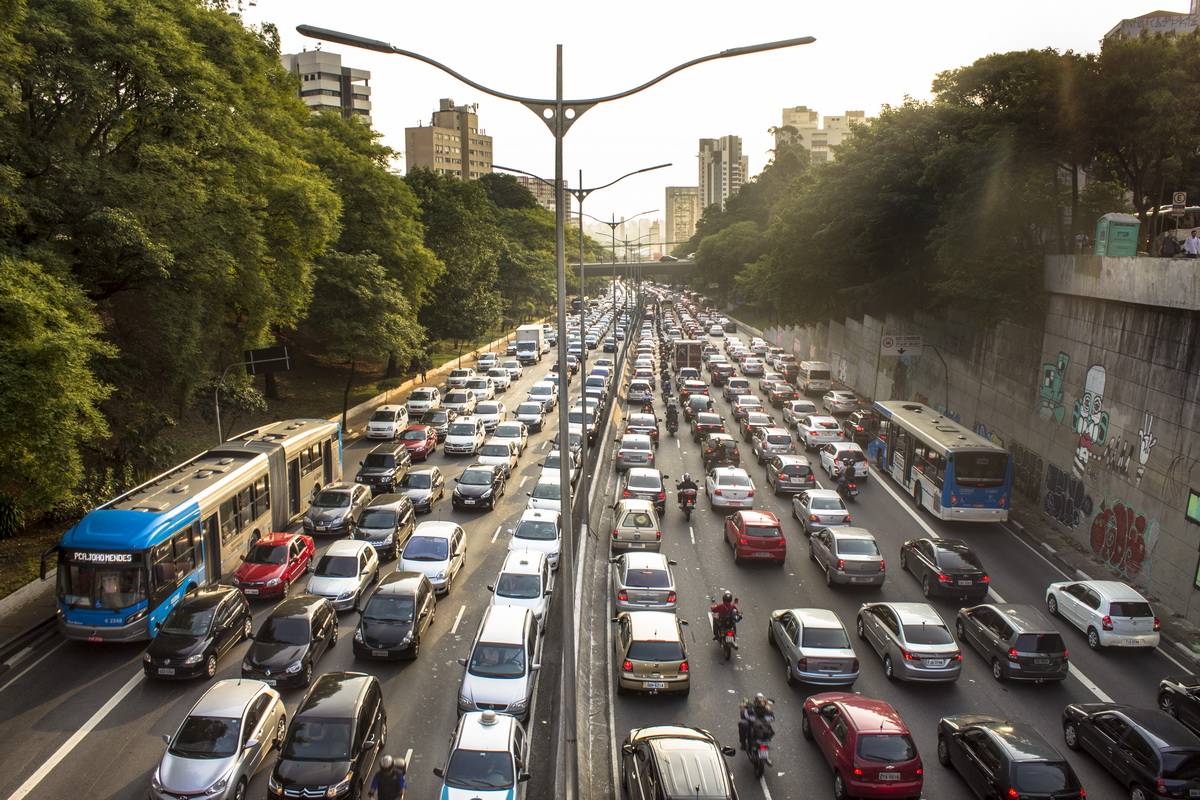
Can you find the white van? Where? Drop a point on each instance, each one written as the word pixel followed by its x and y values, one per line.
pixel 813 377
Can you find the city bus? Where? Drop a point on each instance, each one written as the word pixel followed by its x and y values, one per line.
pixel 124 566
pixel 950 471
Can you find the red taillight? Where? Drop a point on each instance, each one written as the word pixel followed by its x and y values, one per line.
pixel 907 655
pixel 742 540
pixel 1157 624
pixel 623 596
pixel 662 495
pixel 882 564
pixel 627 665
pixel 956 657
pixel 670 597
pixel 717 492
pixel 683 667
pixel 750 493
pixel 1014 794
pixel 626 493
pixel 920 771
pixel 985 579
pixel 1012 652
pixel 943 578
pixel 1106 623
pixel 1066 654
pixel 802 664
pixel 813 518
pixel 615 533
pixel 841 563
pixel 857 772
pixel 658 534
pixel 849 518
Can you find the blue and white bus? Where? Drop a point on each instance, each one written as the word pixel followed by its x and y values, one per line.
pixel 125 565
pixel 950 471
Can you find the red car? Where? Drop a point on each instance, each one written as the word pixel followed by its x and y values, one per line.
pixel 420 441
pixel 866 744
pixel 755 535
pixel 273 564
pixel 781 393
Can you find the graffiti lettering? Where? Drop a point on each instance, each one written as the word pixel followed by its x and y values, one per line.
pixel 994 437
pixel 1146 442
pixel 1066 498
pixel 1027 471
pixel 1089 419
pixel 948 414
pixel 1050 392
pixel 1116 456
pixel 1123 538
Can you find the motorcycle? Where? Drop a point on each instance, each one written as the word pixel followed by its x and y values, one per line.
pixel 727 635
pixel 759 750
pixel 687 498
pixel 847 490
pixel 672 423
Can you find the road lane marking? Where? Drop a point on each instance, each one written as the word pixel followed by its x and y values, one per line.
pixel 497 533
pixel 762 782
pixel 522 486
pixel 407 759
pixel 70 744
pixel 458 618
pixel 692 533
pixel 22 673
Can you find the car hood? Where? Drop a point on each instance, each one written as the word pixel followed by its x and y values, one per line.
pixel 376 470
pixel 493 690
pixel 548 546
pixel 170 645
pixel 384 634
pixel 258 572
pixel 327 515
pixel 528 417
pixel 331 586
pixel 275 656
pixel 311 773
pixel 470 490
pixel 188 775
pixel 374 533
pixel 417 495
pixel 418 445
pixel 457 439
pixel 426 568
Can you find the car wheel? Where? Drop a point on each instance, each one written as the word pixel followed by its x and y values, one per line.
pixel 888 671
pixel 771 636
pixel 1071 735
pixel 333 637
pixel 960 630
pixel 239 793
pixel 1093 639
pixel 1052 605
pixel 416 647
pixel 828 577
pixel 1137 793
pixel 788 675
pixel 839 788
pixel 903 559
pixel 862 631
pixel 943 752
pixel 247 629
pixel 280 733
pixel 1166 702
pixel 306 675
pixel 210 665
pixel 926 586
pixel 811 553
pixel 997 670
pixel 805 727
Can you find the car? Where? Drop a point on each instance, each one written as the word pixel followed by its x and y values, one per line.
pixel 223 741
pixel 639 392
pixel 770 441
pixel 697 404
pixel 384 466
pixel 545 393
pixel 386 422
pixel 598 383
pixel 646 483
pixel 344 572
pixel 420 440
pixel 273 564
pixel 501 453
pixel 479 486
pixel 500 378
pixel 912 640
pixel 744 404
pixel 395 617
pixel 423 487
pixel 574 441
pixel 460 401
pixel 646 374
pixel 551 464
pixel 789 473
pixel 492 412
pixel 1111 613
pixel 651 654
pixel 498 674
pixel 768 380
pixel 547 492
pixel 438 550
pixel 643 581
pixel 489 754
pixel 946 567
pixel 751 422
pixel 1180 697
pixel 510 349
pixel 643 423
pixel 439 420
pixel 735 387
pixel 755 535
pixel 866 744
pixel 815 647
pixel 819 508
pixel 815 430
pixel 861 426
pixel 1017 641
pixel 458 377
pixel 336 736
pixel 675 762
pixel 422 399
pixel 525 581
pixel 585 419
pixel 465 436
pixel 835 455
pixel 998 757
pixel 387 523
pixel 514 368
pixel 729 487
pixel 706 422
pixel 336 509
pixel 719 450
pixel 635 526
pixel 848 555
pixel 202 627
pixel 839 402
pixel 781 393
pixel 539 530
pixel 634 450
pixel 796 410
pixel 486 360
pixel 753 366
pixel 532 414
pixel 721 372
pixel 290 641
pixel 687 388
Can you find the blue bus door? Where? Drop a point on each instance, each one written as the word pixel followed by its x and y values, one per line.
pixel 212 550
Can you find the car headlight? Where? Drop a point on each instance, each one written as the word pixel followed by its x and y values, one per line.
pixel 407 637
pixel 137 615
pixel 358 637
pixel 346 595
pixel 518 706
pixel 273 784
pixel 441 575
pixel 196 659
pixel 146 657
pixel 341 787
pixel 273 582
pixel 219 786
pixel 294 667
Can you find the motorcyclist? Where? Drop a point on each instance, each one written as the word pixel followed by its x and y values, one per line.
pixel 753 715
pixel 389 783
pixel 724 615
pixel 672 414
pixel 844 476
pixel 686 483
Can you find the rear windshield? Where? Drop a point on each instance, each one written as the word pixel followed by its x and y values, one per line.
pixel 818 374
pixel 957 559
pixel 1040 643
pixel 827 504
pixel 655 651
pixel 779 438
pixel 648 578
pixel 853 456
pixel 796 470
pixel 828 638
pixel 857 547
pixel 637 519
pixel 1037 778
pixel 764 532
pixel 1129 608
pixel 634 444
pixel 887 748
pixel 1181 766
pixel 644 482
pixel 927 634
pixel 734 480
pixel 980 469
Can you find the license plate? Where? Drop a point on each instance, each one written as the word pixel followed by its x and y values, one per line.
pixel 764 555
pixel 1130 642
pixel 94 638
pixel 859 579
pixel 166 670
pixel 321 527
pixel 1041 661
pixel 1193 792
pixel 468 502
pixel 379 653
pixel 250 591
pixel 269 681
pixel 654 684
pixel 889 776
pixel 935 662
pixel 966 583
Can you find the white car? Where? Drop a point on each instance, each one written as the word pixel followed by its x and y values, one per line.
pixel 1111 613
pixel 387 422
pixel 513 431
pixel 839 402
pixel 500 670
pixel 531 414
pixel 459 376
pixel 485 737
pixel 345 572
pixel 492 412
pixel 460 401
pixel 486 360
pixel 426 398
pixel 515 370
pixel 546 494
pixel 551 464
pixel 437 549
pixel 834 454
pixel 483 388
pixel 815 430
pixel 729 487
pixel 538 530
pixel 525 581
pixel 464 436
pixel 546 393
pixel 500 377
pixel 717 331
pixel 501 452
pixel 753 366
pixel 639 392
pixel 796 410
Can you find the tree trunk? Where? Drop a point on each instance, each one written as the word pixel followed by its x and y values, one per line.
pixel 271 386
pixel 1075 227
pixel 346 393
pixel 390 372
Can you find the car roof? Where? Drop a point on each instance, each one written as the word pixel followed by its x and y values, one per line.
pixel 1021 741
pixel 542 514
pixel 775 430
pixel 335 694
pixel 817 618
pixel 1166 729
pixel 722 472
pixel 503 624
pixel 277 538
pixel 1114 590
pixel 389 407
pixel 384 500
pixel 824 493
pixel 870 715
pixel 227 698
pixel 654 626
pixel 851 533
pixel 643 472
pixel 524 562
pixel 347 547
pixel 424 471
pixel 840 446
pixel 763 519
pixel 416 426
pixel 637 504
pixel 791 459
pixel 436 527
pixel 915 613
pixel 691 767
pixel 720 436
pixel 208 597
pixel 485 730
pixel 641 559
pixel 400 582
pixel 299 606
pixel 1025 618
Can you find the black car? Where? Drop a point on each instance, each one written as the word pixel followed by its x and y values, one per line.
pixel 860 427
pixel 1150 753
pixel 789 474
pixel 999 758
pixel 439 419
pixel 1017 640
pixel 387 522
pixel 396 617
pixel 290 642
pixel 336 736
pixel 384 467
pixel 945 567
pixel 202 627
pixel 646 484
pixel 479 486
pixel 1180 697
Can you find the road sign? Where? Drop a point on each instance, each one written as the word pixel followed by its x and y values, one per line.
pixel 267 359
pixel 1178 203
pixel 900 345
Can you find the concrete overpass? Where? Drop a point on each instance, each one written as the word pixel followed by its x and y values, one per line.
pixel 671 271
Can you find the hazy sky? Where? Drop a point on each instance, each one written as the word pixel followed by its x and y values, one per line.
pixel 867 54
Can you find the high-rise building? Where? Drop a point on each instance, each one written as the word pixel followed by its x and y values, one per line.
pixel 723 170
pixel 802 125
pixel 683 212
pixel 452 144
pixel 1170 23
pixel 326 85
pixel 542 192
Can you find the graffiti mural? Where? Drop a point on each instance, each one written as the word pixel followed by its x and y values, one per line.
pixel 1027 471
pixel 1124 539
pixel 994 437
pixel 1050 392
pixel 1067 500
pixel 1146 442
pixel 948 414
pixel 1116 456
pixel 1089 419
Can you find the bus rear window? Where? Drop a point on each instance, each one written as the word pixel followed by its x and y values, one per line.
pixel 980 469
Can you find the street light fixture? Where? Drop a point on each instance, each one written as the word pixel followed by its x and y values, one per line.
pixel 559 115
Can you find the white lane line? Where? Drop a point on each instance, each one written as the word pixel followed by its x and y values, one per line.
pixel 408 759
pixel 458 618
pixel 497 533
pixel 70 744
pixel 1048 548
pixel 522 486
pixel 678 446
pixel 692 533
pixel 762 782
pixel 22 673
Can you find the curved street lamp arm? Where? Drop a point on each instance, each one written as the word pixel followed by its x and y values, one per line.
pixel 626 175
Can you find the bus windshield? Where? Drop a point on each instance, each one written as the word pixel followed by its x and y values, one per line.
pixel 980 469
pixel 101 586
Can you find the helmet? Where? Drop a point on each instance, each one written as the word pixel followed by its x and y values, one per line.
pixel 760 699
pixel 386 762
pixel 687 476
pixel 728 598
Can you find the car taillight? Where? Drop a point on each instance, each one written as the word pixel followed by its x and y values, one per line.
pixel 841 563
pixel 854 665
pixel 943 578
pixel 627 665
pixel 920 771
pixel 956 657
pixel 849 519
pixel 802 664
pixel 623 596
pixel 717 492
pixel 743 540
pixel 857 772
pixel 626 493
pixel 750 493
pixel 670 597
pixel 658 534
pixel 1012 652
pixel 1014 794
pixel 813 518
pixel 615 533
pixel 1066 654
pixel 907 655
pixel 1106 623
pixel 858 428
pixel 683 667
pixel 882 564
pixel 1157 624
pixel 662 495
pixel 985 579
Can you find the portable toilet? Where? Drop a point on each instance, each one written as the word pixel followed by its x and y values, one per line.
pixel 1117 235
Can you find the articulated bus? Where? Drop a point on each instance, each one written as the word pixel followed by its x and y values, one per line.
pixel 950 471
pixel 124 566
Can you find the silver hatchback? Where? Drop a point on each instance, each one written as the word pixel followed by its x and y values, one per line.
pixel 643 582
pixel 815 646
pixel 634 450
pixel 848 555
pixel 912 640
pixel 819 508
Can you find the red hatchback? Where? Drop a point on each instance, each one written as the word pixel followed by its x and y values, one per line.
pixel 420 441
pixel 755 535
pixel 274 562
pixel 865 743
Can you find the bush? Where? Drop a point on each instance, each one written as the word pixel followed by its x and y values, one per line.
pixel 388 384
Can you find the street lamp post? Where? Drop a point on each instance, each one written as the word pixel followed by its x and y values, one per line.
pixel 558 114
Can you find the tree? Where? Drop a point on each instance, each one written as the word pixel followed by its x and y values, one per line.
pixel 505 192
pixel 723 255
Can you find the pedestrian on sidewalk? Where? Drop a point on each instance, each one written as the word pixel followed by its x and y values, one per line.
pixel 1192 245
pixel 426 363
pixel 1170 246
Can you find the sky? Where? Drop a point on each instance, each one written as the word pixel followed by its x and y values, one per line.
pixel 867 54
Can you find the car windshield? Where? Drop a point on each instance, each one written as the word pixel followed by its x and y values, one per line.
pixel 463 429
pixel 460 373
pixel 284 630
pixel 267 554
pixel 1039 643
pixel 857 547
pixel 331 499
pixel 1129 608
pixel 480 770
pixel 417 480
pixel 826 504
pixel 927 634
pixel 207 737
pixel 318 740
pixel 530 408
pixel 547 491
pixel 827 638
pixel 518 586
pixel 500 450
pixel 497 661
pixel 421 394
pixel 337 566
pixel 487 408
pixel 427 548
pixel 648 578
pixel 888 748
pixel 456 398
pixel 390 608
pixel 378 518
pixel 644 482
pixel 435 417
pixel 383 416
pixel 381 460
pixel 655 651
pixel 980 469
pixel 508 431
pixel 184 621
pixel 416 435
pixel 1044 778
pixel 475 477
pixel 537 529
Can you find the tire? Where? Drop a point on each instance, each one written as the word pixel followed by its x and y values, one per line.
pixel 960 630
pixel 1071 735
pixel 943 752
pixel 829 577
pixel 903 559
pixel 1166 703
pixel 759 768
pixel 726 648
pixel 1052 605
pixel 247 629
pixel 1093 639
pixel 917 496
pixel 839 788
pixel 1138 793
pixel 926 587
pixel 861 630
pixel 416 648
pixel 334 638
pixel 787 672
pixel 889 671
pixel 239 793
pixel 771 636
pixel 280 733
pixel 306 675
pixel 805 727
pixel 997 670
pixel 210 665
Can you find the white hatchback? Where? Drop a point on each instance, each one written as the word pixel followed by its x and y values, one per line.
pixel 387 422
pixel 547 494
pixel 538 530
pixel 438 550
pixel 815 430
pixel 729 487
pixel 525 581
pixel 1111 613
pixel 464 436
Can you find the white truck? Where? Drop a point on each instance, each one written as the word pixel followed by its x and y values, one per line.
pixel 529 344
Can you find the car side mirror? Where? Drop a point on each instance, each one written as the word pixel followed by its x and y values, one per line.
pixel 166 737
pixel 629 750
pixel 438 771
pixel 491 588
pixel 728 751
pixel 251 744
pixel 523 777
pixel 672 562
pixel 548 592
pixel 462 661
pixel 535 666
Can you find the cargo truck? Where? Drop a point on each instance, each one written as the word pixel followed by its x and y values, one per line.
pixel 529 344
pixel 689 353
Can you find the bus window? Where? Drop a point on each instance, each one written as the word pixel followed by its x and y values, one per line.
pixel 229 522
pixel 262 497
pixel 163 575
pixel 980 469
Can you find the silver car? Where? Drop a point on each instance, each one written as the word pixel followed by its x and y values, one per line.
pixel 847 555
pixel 337 508
pixel 643 581
pixel 634 450
pixel 346 570
pixel 222 743
pixel 815 646
pixel 819 508
pixel 912 640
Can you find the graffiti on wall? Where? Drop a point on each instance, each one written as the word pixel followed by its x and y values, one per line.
pixel 993 436
pixel 947 413
pixel 1027 471
pixel 1146 443
pixel 1124 539
pixel 1089 419
pixel 1066 497
pixel 1050 392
